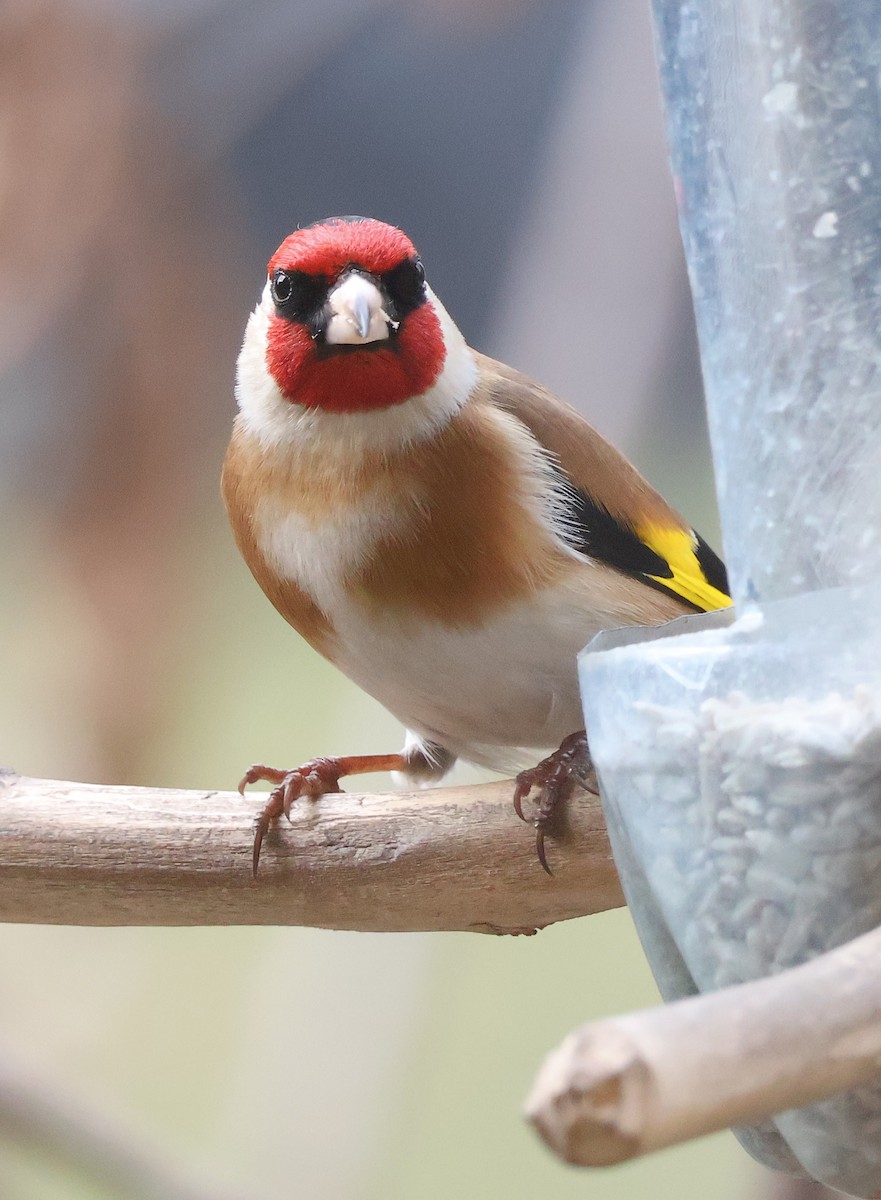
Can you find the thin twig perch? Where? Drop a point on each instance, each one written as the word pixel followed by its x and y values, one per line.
pixel 445 858
pixel 620 1088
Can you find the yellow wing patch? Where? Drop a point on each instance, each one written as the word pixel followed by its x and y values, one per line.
pixel 691 561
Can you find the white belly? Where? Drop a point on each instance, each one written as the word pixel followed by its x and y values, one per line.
pixel 482 693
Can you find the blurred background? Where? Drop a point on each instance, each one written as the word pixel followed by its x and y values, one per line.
pixel 152 155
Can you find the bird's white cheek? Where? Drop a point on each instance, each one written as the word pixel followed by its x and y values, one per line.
pixel 264 409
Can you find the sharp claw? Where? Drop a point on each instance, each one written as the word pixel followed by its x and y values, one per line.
pixel 252 775
pixel 521 791
pixel 259 831
pixel 291 785
pixel 540 848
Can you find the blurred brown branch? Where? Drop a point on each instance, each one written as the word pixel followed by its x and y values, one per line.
pixel 34 1111
pixel 623 1087
pixel 445 858
pixel 111 238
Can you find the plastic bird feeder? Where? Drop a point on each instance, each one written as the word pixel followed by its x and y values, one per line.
pixel 740 760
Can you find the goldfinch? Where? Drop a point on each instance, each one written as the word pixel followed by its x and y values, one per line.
pixel 436 524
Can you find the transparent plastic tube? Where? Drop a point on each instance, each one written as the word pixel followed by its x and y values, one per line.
pixel 740 769
pixel 740 764
pixel 774 122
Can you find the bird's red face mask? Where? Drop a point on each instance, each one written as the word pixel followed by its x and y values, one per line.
pixel 353 327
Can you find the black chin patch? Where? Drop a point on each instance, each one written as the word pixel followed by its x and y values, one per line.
pixel 325 349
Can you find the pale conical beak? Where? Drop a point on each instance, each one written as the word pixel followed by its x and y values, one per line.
pixel 356 315
pixel 362 314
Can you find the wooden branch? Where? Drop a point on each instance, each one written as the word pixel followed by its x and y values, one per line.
pixel 444 858
pixel 620 1088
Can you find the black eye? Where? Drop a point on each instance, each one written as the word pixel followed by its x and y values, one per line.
pixel 297 296
pixel 281 287
pixel 405 284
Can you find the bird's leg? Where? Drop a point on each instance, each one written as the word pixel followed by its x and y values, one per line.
pixel 319 776
pixel 556 777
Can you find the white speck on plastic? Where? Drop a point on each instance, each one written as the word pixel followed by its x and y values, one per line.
pixel 749 622
pixel 781 99
pixel 827 225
